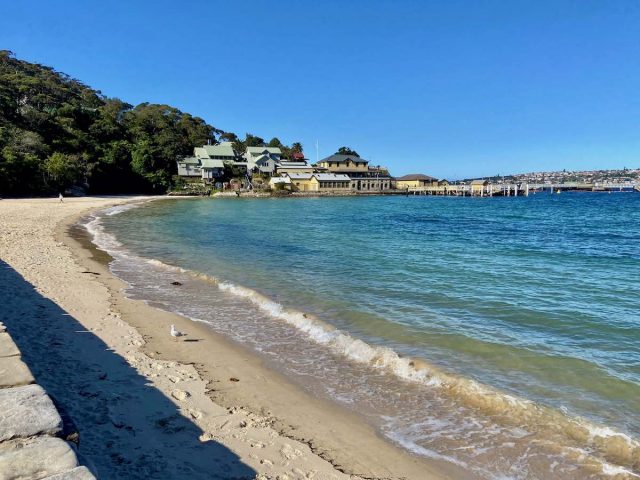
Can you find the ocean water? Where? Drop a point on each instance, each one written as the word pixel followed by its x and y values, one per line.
pixel 499 334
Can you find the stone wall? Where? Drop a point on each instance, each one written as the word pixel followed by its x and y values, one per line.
pixel 35 442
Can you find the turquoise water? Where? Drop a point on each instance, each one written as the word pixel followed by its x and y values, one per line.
pixel 523 314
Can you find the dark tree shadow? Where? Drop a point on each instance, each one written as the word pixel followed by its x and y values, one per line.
pixel 128 428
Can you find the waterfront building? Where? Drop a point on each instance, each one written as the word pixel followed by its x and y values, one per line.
pixel 320 182
pixel 211 169
pixel 285 166
pixel 262 159
pixel 280 182
pixel 208 162
pixel 189 167
pixel 223 151
pixel 415 180
pixel 302 182
pixel 333 182
pixel 363 177
pixel 479 187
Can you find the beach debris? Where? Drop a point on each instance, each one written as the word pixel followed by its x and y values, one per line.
pixel 234 379
pixel 175 333
pixel 176 283
pixel 180 395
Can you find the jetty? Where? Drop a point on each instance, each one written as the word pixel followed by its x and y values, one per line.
pixel 482 188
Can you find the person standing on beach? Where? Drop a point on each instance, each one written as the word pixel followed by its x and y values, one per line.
pixel 60 197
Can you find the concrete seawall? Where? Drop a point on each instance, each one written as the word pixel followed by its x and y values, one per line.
pixel 35 441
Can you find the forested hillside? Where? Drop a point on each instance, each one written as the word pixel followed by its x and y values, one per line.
pixel 56 132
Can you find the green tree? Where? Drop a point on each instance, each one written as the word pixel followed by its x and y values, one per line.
pixel 229 137
pixel 63 170
pixel 347 151
pixel 55 131
pixel 253 141
pixel 275 142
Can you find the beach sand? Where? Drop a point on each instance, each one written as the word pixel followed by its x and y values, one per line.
pixel 150 406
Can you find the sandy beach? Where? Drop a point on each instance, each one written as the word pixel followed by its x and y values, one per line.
pixel 151 406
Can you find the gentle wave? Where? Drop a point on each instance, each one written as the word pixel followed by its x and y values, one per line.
pixel 620 453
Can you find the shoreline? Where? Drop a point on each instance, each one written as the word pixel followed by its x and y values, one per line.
pixel 286 425
pixel 344 440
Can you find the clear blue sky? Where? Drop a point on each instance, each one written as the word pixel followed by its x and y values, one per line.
pixel 448 88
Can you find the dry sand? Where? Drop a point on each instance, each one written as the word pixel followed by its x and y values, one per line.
pixel 149 406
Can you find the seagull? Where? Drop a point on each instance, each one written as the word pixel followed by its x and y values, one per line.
pixel 175 333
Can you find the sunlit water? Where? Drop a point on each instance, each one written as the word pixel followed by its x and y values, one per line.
pixel 499 334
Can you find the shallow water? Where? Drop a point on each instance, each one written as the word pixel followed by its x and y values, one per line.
pixel 522 313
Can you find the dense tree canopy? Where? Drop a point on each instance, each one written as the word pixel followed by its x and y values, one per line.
pixel 56 133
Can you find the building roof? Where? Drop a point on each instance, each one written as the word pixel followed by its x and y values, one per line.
pixel 300 176
pixel 261 158
pixel 479 182
pixel 287 163
pixel 416 176
pixel 298 155
pixel 189 161
pixel 280 180
pixel 222 150
pixel 331 177
pixel 337 158
pixel 258 150
pixel 200 152
pixel 212 163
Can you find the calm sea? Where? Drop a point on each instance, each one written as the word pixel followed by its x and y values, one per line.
pixel 500 334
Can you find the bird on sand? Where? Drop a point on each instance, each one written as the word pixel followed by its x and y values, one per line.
pixel 175 333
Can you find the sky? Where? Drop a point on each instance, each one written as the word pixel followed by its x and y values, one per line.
pixel 452 89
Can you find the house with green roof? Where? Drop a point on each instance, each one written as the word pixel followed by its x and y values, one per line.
pixel 189 167
pixel 262 159
pixel 208 161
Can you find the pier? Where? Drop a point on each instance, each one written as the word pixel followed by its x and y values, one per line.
pixel 485 189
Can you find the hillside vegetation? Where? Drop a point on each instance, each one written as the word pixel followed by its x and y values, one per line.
pixel 56 132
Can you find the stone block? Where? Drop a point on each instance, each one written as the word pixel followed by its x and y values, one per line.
pixel 14 372
pixel 27 411
pixel 78 473
pixel 35 458
pixel 7 346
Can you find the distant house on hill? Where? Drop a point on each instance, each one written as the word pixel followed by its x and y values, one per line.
pixel 362 176
pixel 262 159
pixel 415 180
